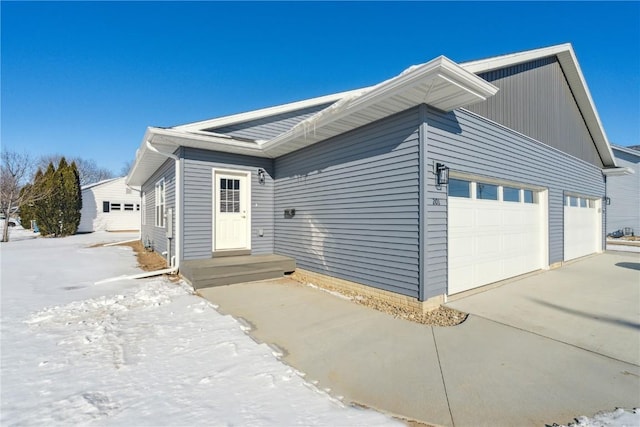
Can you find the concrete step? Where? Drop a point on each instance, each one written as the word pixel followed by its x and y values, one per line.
pixel 235 269
pixel 249 275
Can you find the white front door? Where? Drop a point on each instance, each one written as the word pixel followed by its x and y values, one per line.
pixel 231 213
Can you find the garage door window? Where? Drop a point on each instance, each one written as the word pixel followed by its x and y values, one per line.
pixel 486 191
pixel 528 196
pixel 459 188
pixel 510 194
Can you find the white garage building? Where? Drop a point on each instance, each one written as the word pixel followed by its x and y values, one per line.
pixel 110 206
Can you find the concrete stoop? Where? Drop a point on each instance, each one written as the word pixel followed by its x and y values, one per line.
pixel 206 273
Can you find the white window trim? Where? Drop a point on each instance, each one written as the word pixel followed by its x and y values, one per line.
pixel 160 207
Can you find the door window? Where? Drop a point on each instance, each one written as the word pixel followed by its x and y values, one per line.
pixel 229 195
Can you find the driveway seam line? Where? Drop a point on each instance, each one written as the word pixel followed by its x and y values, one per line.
pixel 444 384
pixel 554 339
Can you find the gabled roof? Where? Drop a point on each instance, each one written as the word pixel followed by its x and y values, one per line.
pixel 569 63
pixel 440 83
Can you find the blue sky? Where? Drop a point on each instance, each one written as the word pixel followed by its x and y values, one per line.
pixel 86 79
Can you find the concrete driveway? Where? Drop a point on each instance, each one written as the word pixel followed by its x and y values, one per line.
pixel 503 366
pixel 593 304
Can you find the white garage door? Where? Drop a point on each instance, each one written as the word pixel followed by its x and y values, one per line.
pixel 582 227
pixel 495 232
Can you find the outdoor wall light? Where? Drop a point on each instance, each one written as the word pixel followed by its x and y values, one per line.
pixel 442 174
pixel 606 200
pixel 261 175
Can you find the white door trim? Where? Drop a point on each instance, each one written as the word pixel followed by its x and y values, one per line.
pixel 247 202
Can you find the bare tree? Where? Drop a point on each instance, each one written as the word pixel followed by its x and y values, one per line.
pixel 126 167
pixel 88 170
pixel 15 173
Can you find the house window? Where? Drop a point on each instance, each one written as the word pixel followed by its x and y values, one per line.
pixel 459 188
pixel 583 202
pixel 510 194
pixel 592 203
pixel 105 206
pixel 229 195
pixel 486 191
pixel 160 199
pixel 128 206
pixel 528 196
pixel 115 206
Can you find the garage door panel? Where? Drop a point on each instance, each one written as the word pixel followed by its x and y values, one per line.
pixel 461 248
pixel 487 245
pixel 581 231
pixel 488 217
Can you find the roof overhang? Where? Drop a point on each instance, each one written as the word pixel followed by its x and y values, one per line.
pixel 440 83
pixel 569 63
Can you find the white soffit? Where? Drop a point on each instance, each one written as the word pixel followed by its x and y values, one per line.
pixel 569 63
pixel 439 83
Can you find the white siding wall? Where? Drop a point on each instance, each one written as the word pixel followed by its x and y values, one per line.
pixel 94 219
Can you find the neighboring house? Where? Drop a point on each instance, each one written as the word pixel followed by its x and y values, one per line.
pixel 109 205
pixel 624 191
pixel 347 183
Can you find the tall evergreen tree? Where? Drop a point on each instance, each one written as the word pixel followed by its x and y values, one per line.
pixel 27 212
pixel 71 197
pixel 47 210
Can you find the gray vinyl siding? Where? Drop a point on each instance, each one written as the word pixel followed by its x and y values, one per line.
pixel 624 193
pixel 535 99
pixel 469 143
pixel 198 203
pixel 149 232
pixel 269 127
pixel 356 198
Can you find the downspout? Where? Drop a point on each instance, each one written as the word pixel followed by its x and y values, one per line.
pixel 178 201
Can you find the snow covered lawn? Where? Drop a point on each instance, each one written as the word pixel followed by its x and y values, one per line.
pixel 144 352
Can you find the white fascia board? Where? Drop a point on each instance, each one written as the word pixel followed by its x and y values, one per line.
pixel 493 63
pixel 569 63
pixel 440 67
pixel 263 112
pixel 135 170
pixel 95 184
pixel 618 171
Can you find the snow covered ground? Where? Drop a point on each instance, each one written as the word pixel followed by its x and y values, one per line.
pixel 144 352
